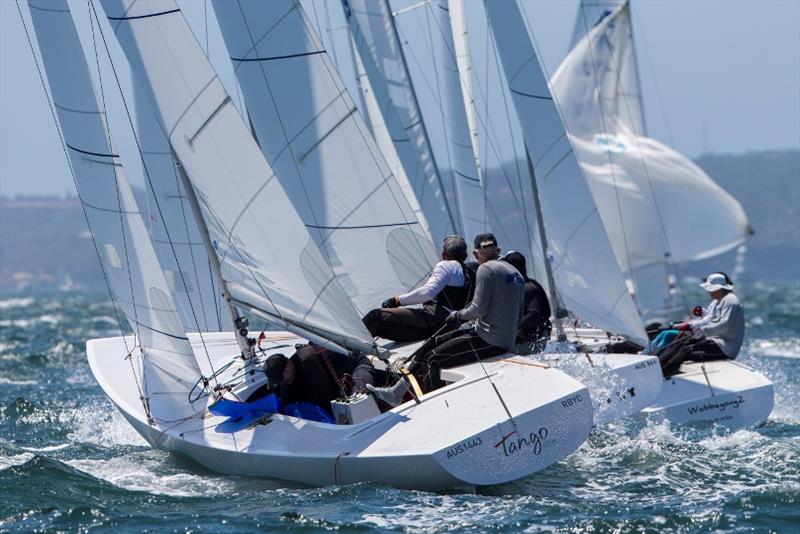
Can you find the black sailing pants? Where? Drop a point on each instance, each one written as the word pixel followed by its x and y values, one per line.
pixel 693 349
pixel 450 349
pixel 402 324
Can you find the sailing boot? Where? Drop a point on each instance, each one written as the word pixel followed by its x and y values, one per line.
pixel 391 395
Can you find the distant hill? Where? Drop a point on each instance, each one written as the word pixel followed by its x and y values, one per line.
pixel 44 242
pixel 768 186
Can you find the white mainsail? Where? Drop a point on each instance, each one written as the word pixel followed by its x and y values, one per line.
pixel 311 133
pixel 372 27
pixel 136 282
pixel 657 206
pixel 585 269
pixel 466 176
pixel 173 229
pixel 270 263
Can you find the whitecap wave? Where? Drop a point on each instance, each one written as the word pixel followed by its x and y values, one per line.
pixel 6 304
pixel 14 460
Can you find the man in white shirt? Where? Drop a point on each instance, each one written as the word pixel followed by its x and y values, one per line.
pixel 449 287
pixel 719 332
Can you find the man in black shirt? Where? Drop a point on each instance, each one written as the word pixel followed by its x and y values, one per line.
pixel 535 327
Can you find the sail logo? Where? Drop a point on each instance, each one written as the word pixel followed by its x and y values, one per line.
pixel 531 442
pixel 614 144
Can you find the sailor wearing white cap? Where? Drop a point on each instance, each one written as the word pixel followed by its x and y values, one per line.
pixel 718 333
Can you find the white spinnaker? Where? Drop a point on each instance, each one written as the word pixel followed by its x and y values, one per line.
pixel 657 206
pixel 169 369
pixel 174 231
pixel 374 33
pixel 622 93
pixel 385 125
pixel 268 259
pixel 466 177
pixel 585 269
pixel 312 135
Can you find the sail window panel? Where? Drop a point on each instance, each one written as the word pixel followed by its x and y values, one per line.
pixel 257 234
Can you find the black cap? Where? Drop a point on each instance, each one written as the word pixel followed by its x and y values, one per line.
pixel 455 247
pixel 485 239
pixel 518 261
pixel 273 368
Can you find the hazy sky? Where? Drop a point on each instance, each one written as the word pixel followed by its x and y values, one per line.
pixel 717 76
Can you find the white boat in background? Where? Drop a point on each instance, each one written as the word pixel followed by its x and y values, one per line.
pixel 723 392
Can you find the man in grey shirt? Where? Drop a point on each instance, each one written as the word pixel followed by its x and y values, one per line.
pixel 719 332
pixel 495 312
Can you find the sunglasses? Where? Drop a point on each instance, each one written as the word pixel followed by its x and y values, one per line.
pixel 488 245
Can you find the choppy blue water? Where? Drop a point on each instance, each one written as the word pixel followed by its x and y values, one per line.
pixel 68 461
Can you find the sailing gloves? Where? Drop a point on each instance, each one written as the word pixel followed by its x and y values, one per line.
pixel 393 302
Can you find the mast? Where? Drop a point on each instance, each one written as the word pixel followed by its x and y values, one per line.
pixel 240 322
pixel 558 307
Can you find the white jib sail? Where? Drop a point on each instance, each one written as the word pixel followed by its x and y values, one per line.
pixel 268 259
pixel 174 231
pixel 466 177
pixel 585 269
pixel 650 197
pixel 316 141
pixel 372 26
pixel 169 369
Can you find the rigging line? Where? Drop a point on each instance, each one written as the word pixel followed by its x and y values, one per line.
pixel 369 141
pixel 51 107
pixel 119 200
pixel 147 177
pixel 670 260
pixel 182 202
pixel 205 19
pixel 395 38
pixel 294 158
pixel 331 37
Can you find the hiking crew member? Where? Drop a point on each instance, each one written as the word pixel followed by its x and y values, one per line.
pixel 717 335
pixel 316 375
pixel 534 327
pixel 495 312
pixel 449 287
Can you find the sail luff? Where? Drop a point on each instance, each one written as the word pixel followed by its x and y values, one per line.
pixel 585 268
pixel 267 256
pixel 127 255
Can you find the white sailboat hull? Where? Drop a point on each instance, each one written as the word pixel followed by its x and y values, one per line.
pixel 727 393
pixel 621 385
pixel 458 435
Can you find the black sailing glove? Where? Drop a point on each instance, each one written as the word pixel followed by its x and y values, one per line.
pixel 393 302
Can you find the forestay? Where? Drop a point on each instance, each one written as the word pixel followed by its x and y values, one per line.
pixel 268 259
pixel 371 24
pixel 657 206
pixel 312 135
pixel 466 177
pixel 135 280
pixel 173 229
pixel 586 273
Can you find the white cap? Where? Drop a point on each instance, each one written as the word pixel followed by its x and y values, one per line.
pixel 717 281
